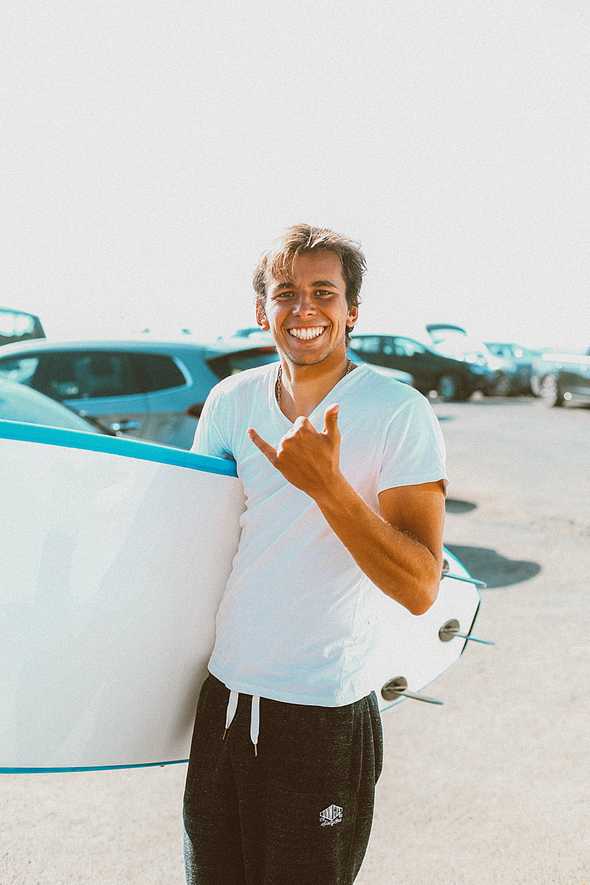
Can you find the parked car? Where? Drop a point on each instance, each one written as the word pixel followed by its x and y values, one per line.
pixel 560 378
pixel 19 325
pixel 451 378
pixel 498 371
pixel 151 390
pixel 20 403
pixel 521 361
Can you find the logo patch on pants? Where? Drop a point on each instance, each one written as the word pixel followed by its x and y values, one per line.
pixel 330 816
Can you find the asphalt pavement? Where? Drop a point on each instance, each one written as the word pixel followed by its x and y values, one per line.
pixel 493 787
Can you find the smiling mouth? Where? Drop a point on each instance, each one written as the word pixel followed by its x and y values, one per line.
pixel 309 334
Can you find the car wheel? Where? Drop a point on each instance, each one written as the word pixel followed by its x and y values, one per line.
pixel 463 393
pixel 503 385
pixel 550 392
pixel 449 388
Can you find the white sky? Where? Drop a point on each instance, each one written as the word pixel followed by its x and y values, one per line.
pixel 151 151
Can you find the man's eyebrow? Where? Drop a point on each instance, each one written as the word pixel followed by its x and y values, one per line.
pixel 288 284
pixel 325 283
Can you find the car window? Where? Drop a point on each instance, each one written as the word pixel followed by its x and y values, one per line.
pixel 408 347
pixel 19 368
pixel 77 374
pixel 501 350
pixel 366 344
pixel 158 371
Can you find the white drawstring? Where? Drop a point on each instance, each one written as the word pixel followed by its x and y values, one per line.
pixel 255 722
pixel 232 706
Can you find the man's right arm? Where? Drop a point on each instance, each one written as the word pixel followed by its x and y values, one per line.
pixel 210 438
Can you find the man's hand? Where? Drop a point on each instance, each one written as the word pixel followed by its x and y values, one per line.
pixel 307 459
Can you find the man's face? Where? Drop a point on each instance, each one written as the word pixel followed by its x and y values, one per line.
pixel 308 314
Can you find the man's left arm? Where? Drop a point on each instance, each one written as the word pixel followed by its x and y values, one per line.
pixel 399 548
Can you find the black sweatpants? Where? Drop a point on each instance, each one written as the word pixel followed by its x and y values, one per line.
pixel 300 811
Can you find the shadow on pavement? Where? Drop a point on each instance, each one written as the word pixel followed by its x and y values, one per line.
pixel 493 568
pixel 454 505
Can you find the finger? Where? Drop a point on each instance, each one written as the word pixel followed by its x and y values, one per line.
pixel 262 444
pixel 302 421
pixel 331 420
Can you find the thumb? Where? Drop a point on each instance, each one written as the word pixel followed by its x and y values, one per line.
pixel 331 419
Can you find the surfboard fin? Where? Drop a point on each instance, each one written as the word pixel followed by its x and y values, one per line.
pixel 398 688
pixel 450 630
pixel 446 573
pixel 475 639
pixel 455 577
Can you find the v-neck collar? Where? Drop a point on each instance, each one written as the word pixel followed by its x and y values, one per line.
pixel 344 381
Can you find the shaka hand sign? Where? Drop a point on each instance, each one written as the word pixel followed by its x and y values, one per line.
pixel 308 459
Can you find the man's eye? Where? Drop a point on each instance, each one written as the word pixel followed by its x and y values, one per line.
pixel 323 292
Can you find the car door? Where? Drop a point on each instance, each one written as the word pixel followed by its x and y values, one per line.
pixel 394 354
pixel 167 383
pixel 414 358
pixel 101 384
pixel 574 377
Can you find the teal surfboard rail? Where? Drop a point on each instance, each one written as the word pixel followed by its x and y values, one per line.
pixel 114 445
pixel 92 767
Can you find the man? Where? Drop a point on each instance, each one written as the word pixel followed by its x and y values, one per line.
pixel 344 478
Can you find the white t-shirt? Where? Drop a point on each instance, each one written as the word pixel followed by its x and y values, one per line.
pixel 296 622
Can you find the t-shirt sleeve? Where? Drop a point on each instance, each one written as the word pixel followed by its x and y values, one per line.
pixel 211 436
pixel 414 450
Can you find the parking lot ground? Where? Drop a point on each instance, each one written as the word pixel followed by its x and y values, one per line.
pixel 492 787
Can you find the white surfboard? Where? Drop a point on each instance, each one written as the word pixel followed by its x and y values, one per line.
pixel 114 555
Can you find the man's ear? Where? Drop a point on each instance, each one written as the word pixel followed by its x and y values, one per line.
pixel 352 317
pixel 261 317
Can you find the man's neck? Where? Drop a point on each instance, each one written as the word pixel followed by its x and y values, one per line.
pixel 303 387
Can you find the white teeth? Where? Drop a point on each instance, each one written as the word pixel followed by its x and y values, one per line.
pixel 307 334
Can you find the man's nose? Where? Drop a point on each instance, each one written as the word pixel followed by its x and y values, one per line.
pixel 304 304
